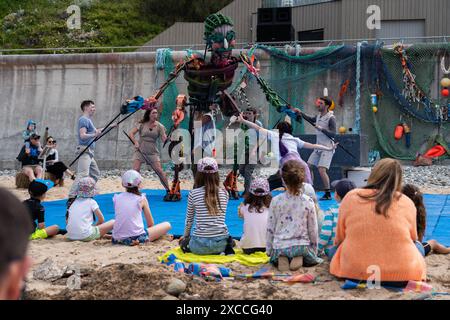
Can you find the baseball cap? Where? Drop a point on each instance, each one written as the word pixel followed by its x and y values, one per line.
pixel 35 136
pixel 207 162
pixel 259 187
pixel 39 186
pixel 343 186
pixel 131 179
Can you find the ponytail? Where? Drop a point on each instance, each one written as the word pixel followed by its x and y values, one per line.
pixel 283 127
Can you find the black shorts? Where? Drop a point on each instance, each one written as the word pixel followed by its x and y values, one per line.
pixel 427 248
pixel 253 250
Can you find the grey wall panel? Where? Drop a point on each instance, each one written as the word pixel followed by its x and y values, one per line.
pixel 319 16
pixel 341 19
pixel 241 13
pixel 434 12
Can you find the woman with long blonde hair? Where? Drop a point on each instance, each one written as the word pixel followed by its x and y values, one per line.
pixel 207 205
pixel 376 231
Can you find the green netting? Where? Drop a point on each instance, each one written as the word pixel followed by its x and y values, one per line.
pixel 298 78
pixel 165 62
pixel 424 60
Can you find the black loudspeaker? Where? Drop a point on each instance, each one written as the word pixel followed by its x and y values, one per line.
pixel 275 33
pixel 270 16
pixel 275 25
pixel 265 16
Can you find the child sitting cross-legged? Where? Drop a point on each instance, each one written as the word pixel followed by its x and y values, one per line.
pixel 292 231
pixel 128 206
pixel 37 190
pixel 330 219
pixel 81 214
pixel 413 192
pixel 255 211
pixel 206 209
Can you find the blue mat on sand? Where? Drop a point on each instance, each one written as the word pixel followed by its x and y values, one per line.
pixel 438 213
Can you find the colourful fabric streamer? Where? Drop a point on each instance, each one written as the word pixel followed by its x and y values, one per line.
pixel 302 278
pixel 349 285
pixel 418 286
pixel 207 271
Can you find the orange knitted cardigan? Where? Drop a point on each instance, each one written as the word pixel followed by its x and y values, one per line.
pixel 369 240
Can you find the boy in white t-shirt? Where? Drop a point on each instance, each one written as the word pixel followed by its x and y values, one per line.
pixel 81 215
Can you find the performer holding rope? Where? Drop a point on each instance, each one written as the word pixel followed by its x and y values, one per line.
pixel 87 133
pixel 325 123
pixel 150 130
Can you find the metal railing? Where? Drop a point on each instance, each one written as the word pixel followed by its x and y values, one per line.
pixel 290 3
pixel 241 45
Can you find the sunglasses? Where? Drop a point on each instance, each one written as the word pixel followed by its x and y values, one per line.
pixel 52 142
pixel 319 102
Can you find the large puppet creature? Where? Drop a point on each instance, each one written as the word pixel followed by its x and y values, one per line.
pixel 207 84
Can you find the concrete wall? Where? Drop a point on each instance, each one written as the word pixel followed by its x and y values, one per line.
pixel 50 88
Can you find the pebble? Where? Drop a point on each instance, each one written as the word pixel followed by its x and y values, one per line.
pixel 175 287
pixel 435 176
pixel 48 271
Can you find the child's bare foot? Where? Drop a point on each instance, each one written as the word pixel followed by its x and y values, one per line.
pixel 134 243
pixel 283 263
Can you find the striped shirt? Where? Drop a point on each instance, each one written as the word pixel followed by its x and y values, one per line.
pixel 328 231
pixel 206 225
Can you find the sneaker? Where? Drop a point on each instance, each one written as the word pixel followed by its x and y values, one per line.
pixel 326 196
pixel 314 263
pixel 296 263
pixel 283 264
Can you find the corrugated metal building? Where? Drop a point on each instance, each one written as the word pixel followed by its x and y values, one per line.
pixel 317 20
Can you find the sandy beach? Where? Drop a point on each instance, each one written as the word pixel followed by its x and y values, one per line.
pixel 119 272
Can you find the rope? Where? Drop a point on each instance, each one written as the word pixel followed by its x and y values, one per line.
pixel 161 58
pixel 357 126
pixel 406 106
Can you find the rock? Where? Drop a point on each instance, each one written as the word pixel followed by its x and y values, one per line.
pixel 198 281
pixel 423 296
pixel 175 287
pixel 169 297
pixel 49 271
pixel 195 296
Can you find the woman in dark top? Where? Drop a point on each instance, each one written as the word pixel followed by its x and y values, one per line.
pixel 52 163
pixel 31 164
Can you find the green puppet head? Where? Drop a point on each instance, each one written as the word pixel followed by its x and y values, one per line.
pixel 219 34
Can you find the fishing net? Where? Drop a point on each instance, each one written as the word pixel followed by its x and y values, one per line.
pixel 425 116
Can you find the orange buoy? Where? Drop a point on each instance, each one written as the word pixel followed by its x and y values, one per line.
pixel 435 152
pixel 399 131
